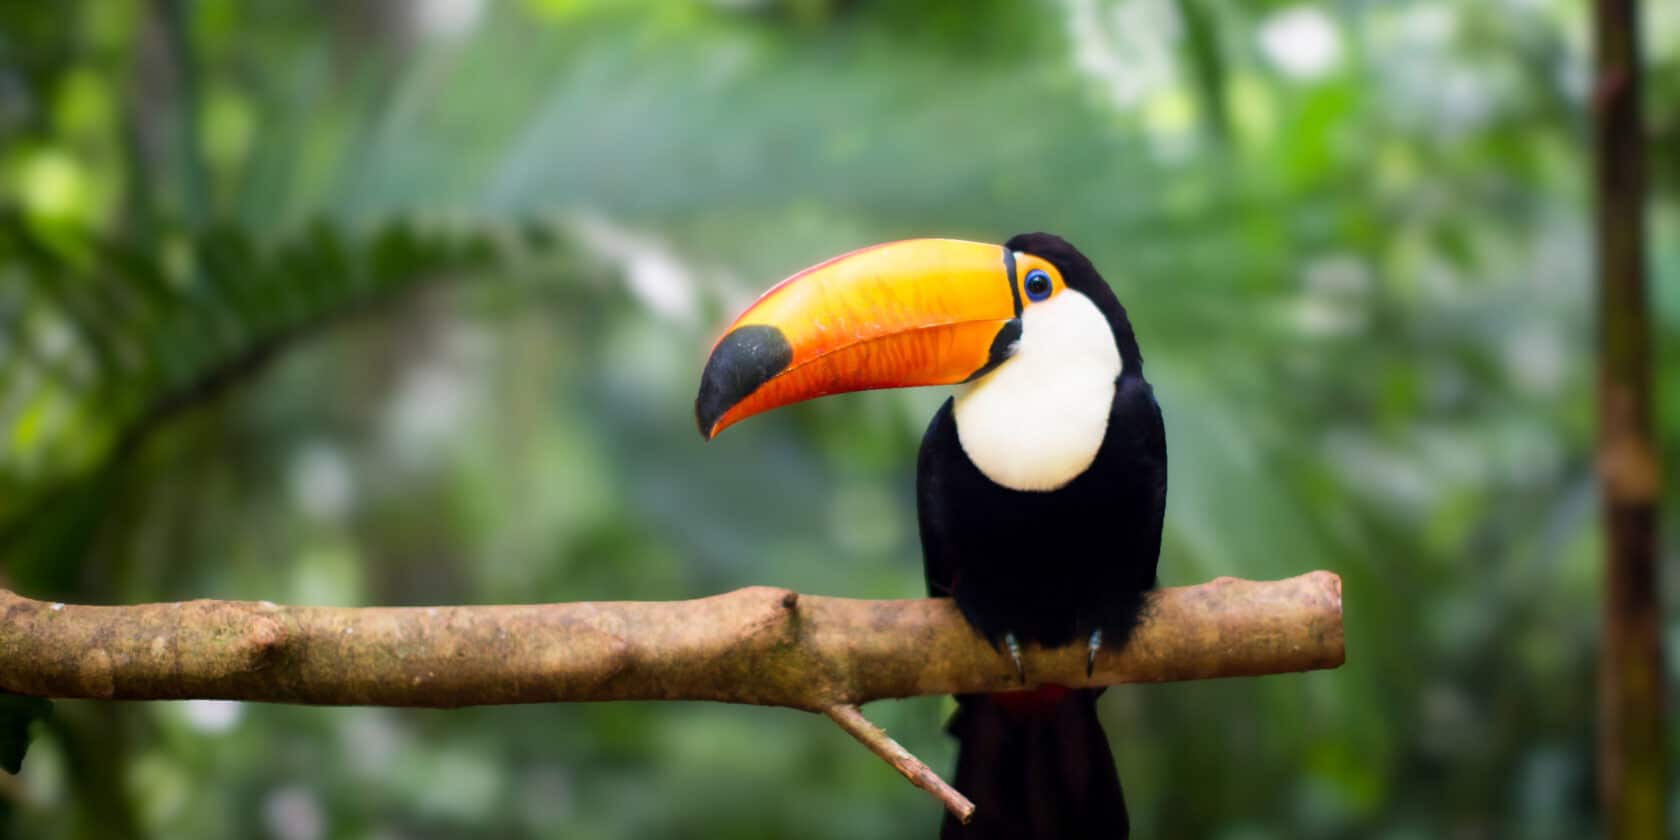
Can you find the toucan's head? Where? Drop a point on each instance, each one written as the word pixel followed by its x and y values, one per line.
pixel 916 312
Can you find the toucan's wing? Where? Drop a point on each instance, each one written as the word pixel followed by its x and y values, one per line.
pixel 938 565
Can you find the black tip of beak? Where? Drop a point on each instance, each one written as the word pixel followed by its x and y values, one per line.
pixel 743 360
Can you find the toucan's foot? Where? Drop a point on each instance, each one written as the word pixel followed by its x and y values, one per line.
pixel 1091 651
pixel 1015 654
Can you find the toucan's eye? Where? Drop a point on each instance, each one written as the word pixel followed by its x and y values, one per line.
pixel 1038 285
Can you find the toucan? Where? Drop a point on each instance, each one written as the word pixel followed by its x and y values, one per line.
pixel 1040 484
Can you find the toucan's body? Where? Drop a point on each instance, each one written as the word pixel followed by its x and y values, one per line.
pixel 1040 486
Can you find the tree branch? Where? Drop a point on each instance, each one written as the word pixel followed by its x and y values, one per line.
pixel 758 645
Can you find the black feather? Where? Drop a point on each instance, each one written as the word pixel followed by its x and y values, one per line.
pixel 1049 567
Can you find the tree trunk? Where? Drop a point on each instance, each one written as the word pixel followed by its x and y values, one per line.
pixel 1632 741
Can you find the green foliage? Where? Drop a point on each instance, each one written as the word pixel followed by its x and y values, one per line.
pixel 157 330
pixel 362 304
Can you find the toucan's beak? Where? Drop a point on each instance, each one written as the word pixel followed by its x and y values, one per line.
pixel 916 312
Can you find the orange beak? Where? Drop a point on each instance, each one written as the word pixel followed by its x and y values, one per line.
pixel 916 312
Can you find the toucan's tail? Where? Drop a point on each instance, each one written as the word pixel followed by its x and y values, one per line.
pixel 1036 764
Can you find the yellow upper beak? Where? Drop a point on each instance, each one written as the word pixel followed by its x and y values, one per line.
pixel 916 312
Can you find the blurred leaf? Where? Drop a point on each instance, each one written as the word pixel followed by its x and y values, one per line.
pixel 18 715
pixel 155 346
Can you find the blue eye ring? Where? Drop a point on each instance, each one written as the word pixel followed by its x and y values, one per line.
pixel 1037 285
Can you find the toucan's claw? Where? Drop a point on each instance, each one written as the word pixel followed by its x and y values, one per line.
pixel 1015 654
pixel 1091 651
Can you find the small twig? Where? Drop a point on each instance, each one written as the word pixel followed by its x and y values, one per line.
pixel 880 743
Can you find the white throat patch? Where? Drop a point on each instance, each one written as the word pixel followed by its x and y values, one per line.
pixel 1037 420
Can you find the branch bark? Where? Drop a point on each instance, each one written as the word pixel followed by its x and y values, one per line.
pixel 759 645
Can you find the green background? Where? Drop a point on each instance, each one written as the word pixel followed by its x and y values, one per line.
pixel 405 303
